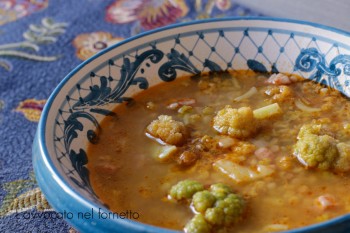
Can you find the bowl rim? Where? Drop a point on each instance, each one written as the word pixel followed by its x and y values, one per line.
pixel 40 133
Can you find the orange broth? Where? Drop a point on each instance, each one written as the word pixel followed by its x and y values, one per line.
pixel 126 173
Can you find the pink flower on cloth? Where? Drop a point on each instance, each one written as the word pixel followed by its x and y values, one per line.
pixel 150 13
pixel 223 4
pixel 11 10
pixel 88 44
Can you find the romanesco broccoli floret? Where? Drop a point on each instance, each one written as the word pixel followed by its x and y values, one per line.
pixel 233 206
pixel 198 225
pixel 203 200
pixel 217 207
pixel 226 211
pixel 185 189
pixel 220 191
pixel 315 148
pixel 168 130
pixel 215 216
pixel 238 123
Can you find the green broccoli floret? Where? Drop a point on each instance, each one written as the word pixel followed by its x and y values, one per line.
pixel 198 225
pixel 220 190
pixel 218 206
pixel 234 206
pixel 226 211
pixel 215 216
pixel 203 200
pixel 185 189
pixel 316 148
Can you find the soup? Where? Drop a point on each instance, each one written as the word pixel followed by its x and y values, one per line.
pixel 227 152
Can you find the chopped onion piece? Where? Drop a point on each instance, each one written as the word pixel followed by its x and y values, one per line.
pixel 173 106
pixel 177 103
pixel 276 227
pixel 166 152
pixel 267 111
pixel 236 83
pixel 226 142
pixel 240 173
pixel 264 170
pixel 233 170
pixel 252 91
pixel 299 104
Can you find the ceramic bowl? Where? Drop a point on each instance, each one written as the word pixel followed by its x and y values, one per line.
pixel 75 108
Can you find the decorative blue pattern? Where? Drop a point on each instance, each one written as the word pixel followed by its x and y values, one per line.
pixel 79 160
pixel 101 95
pixel 311 60
pixel 167 72
pixel 256 66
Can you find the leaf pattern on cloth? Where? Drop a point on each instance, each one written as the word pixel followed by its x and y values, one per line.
pixel 33 198
pixel 31 109
pixel 22 195
pixel 36 35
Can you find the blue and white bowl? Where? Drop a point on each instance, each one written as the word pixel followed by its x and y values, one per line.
pixel 89 93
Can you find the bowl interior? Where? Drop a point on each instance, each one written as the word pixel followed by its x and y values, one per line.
pixel 72 115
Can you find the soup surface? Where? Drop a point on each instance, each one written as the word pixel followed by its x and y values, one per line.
pixel 280 143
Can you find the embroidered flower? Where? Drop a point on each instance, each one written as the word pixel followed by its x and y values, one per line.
pixel 11 10
pixel 31 108
pixel 223 4
pixel 90 43
pixel 150 13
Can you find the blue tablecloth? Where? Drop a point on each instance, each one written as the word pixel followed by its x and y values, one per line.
pixel 40 42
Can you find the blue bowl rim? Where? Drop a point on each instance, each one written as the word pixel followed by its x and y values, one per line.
pixel 47 107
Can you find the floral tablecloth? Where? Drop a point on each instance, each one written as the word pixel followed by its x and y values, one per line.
pixel 41 41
